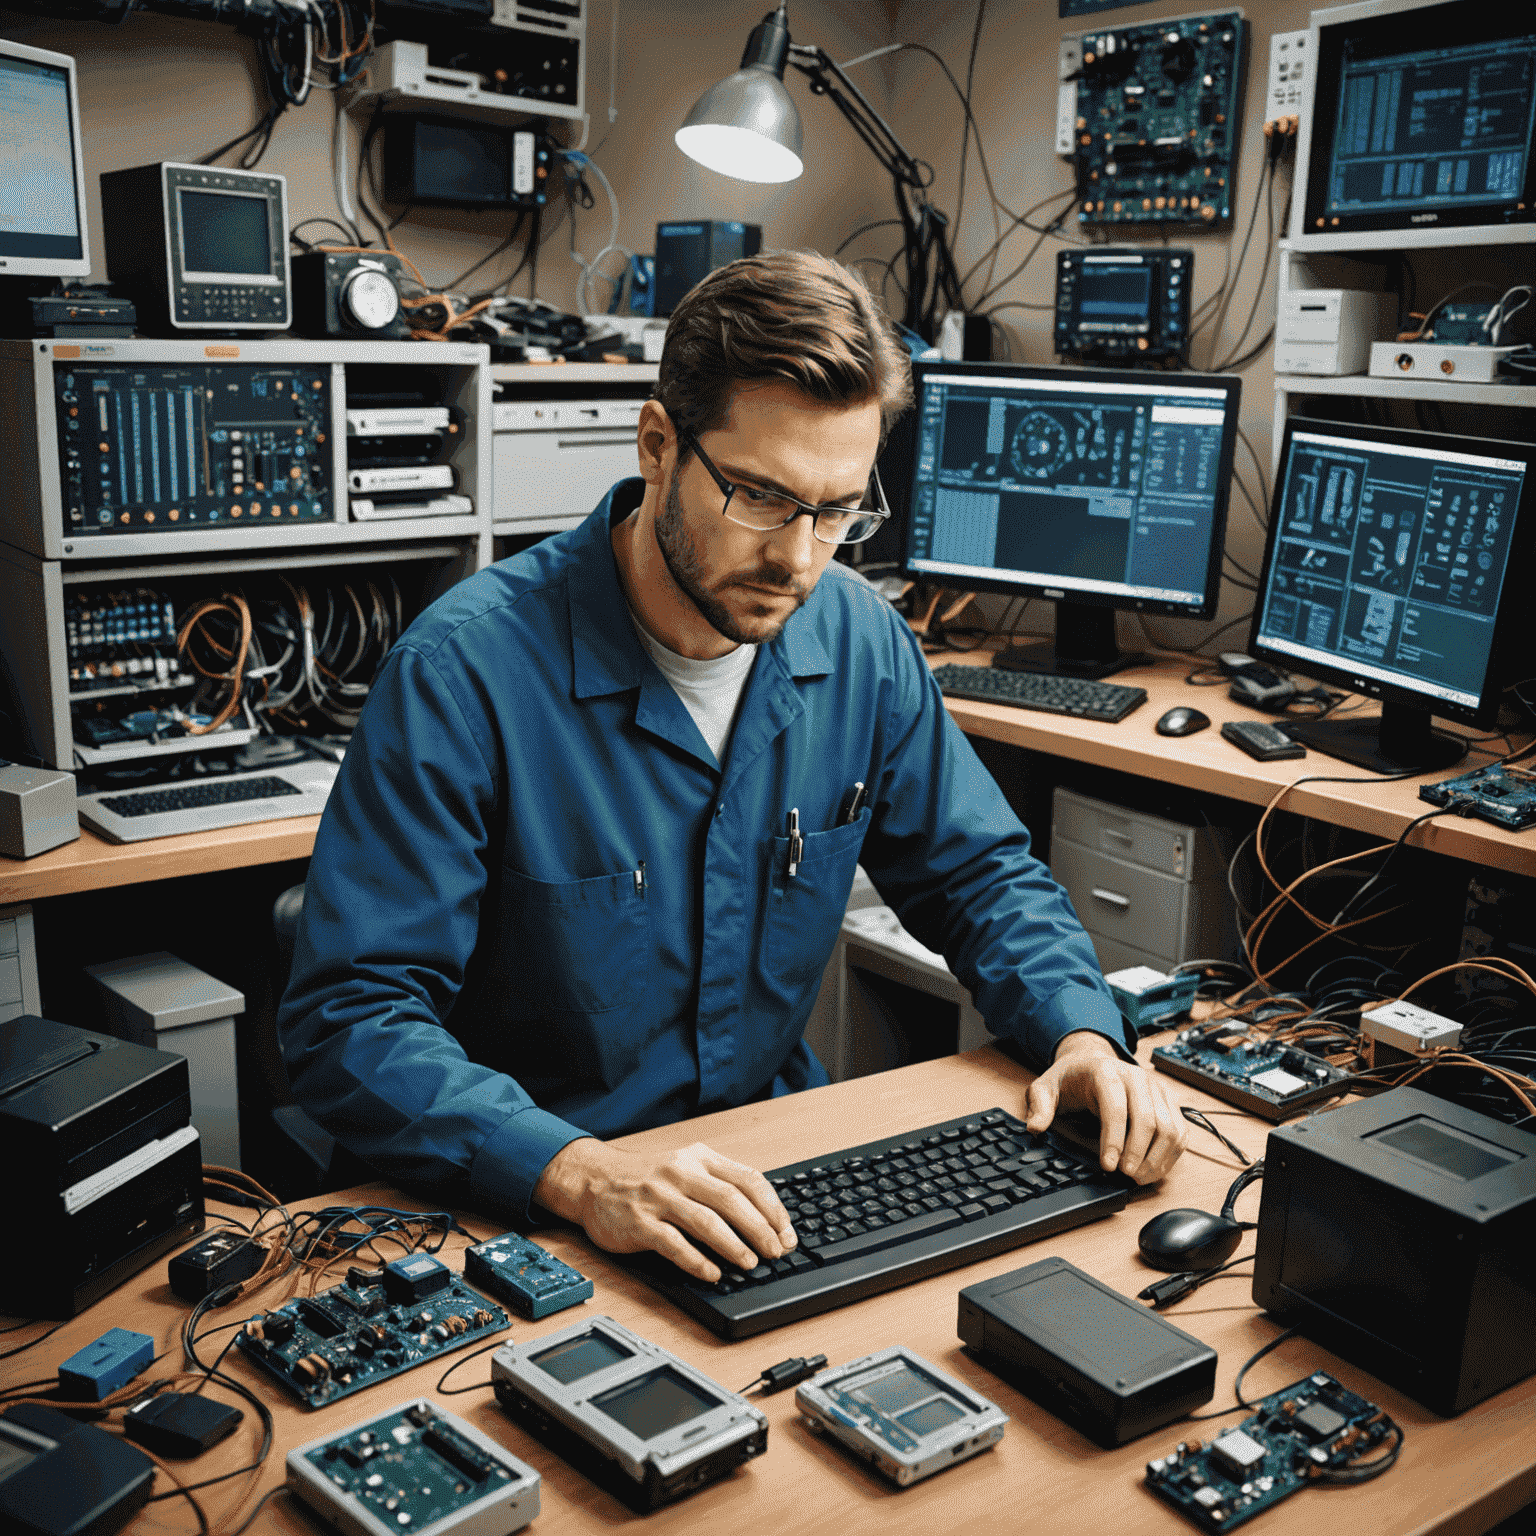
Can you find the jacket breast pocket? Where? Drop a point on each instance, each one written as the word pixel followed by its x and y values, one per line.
pixel 805 910
pixel 577 946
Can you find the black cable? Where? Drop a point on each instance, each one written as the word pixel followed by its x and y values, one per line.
pixel 22 1348
pixel 965 138
pixel 1250 1175
pixel 1243 1405
pixel 263 127
pixel 1198 1117
pixel 1354 901
pixel 479 1386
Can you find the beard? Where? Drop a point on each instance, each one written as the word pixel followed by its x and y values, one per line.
pixel 688 571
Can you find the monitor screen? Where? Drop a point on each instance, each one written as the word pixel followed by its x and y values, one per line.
pixel 1392 561
pixel 1094 487
pixel 42 215
pixel 223 233
pixel 1423 118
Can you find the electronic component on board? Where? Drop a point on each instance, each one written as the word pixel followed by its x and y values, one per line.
pixel 416 1468
pixel 634 1418
pixel 1123 304
pixel 528 1278
pixel 1298 1436
pixel 1265 1077
pixel 1505 796
pixel 903 1414
pixel 1156 130
pixel 376 1325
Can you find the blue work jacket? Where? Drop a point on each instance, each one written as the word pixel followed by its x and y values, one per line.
pixel 538 907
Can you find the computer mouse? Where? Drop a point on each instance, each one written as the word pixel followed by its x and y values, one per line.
pixel 1186 1239
pixel 1181 720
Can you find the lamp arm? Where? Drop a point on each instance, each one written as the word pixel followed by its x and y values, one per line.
pixel 816 64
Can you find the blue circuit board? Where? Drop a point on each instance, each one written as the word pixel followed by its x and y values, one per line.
pixel 325 1347
pixel 1504 796
pixel 530 1279
pixel 1265 1077
pixel 1312 1431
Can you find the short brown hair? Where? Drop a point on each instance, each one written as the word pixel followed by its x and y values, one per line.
pixel 792 315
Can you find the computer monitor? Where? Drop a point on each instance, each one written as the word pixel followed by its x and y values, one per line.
pixel 1100 489
pixel 1393 568
pixel 1421 128
pixel 42 177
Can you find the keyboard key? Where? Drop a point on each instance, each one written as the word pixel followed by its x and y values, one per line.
pixel 887 1237
pixel 974 1211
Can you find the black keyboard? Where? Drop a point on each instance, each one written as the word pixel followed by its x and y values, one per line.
pixel 194 797
pixel 1081 696
pixel 885 1214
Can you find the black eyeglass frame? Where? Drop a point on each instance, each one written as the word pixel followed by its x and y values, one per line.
pixel 881 513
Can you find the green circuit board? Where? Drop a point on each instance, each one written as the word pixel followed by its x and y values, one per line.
pixel 1158 118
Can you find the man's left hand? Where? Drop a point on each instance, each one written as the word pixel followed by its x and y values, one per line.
pixel 1141 1131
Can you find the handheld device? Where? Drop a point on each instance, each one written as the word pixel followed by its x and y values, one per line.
pixel 1123 303
pixel 634 1418
pixel 1100 489
pixel 416 1468
pixel 902 1413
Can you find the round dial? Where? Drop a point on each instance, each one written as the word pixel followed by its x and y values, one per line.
pixel 369 299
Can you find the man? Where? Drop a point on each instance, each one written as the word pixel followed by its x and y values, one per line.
pixel 592 841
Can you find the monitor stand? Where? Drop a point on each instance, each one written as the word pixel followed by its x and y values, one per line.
pixel 1084 646
pixel 1400 738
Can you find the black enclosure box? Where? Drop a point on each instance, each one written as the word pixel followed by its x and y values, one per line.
pixel 1104 1363
pixel 113 1170
pixel 1398 1232
pixel 686 253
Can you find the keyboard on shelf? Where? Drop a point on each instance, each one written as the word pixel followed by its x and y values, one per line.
pixel 891 1212
pixel 1084 697
pixel 231 800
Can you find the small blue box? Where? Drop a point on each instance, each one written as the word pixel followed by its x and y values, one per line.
pixel 103 1366
pixel 1149 1000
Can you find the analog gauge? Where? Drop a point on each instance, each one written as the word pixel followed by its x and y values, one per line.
pixel 369 299
pixel 1041 447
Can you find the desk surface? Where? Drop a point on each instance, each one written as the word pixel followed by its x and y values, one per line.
pixel 1206 761
pixel 1203 762
pixel 1456 1476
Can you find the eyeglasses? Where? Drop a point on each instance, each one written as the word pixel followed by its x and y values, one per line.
pixel 751 507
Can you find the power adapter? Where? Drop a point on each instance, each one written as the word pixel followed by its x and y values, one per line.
pixel 180 1424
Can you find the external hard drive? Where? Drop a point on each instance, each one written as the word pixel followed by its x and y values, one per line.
pixel 1104 1363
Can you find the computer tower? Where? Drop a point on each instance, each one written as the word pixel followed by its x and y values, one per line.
pixel 1397 1232
pixel 688 252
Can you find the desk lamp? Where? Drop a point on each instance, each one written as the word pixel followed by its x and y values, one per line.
pixel 747 127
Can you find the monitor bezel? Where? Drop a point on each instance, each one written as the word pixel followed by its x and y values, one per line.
pixel 55 266
pixel 1327 31
pixel 1522 539
pixel 1114 379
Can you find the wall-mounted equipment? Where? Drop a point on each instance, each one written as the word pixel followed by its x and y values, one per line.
pixel 1158 114
pixel 1421 127
pixel 199 248
pixel 449 162
pixel 689 251
pixel 1123 303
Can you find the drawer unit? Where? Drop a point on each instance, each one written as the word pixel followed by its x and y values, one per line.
pixel 1150 891
pixel 19 992
pixel 556 459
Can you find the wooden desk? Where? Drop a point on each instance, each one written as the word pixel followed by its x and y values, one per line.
pixel 1206 761
pixel 1456 1476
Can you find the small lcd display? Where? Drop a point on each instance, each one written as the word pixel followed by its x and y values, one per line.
pixel 890 1394
pixel 656 1403
pixel 463 163
pixel 931 1417
pixel 1452 1152
pixel 224 232
pixel 576 1358
pixel 1118 294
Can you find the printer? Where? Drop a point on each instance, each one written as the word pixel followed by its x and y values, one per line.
pixel 113 1174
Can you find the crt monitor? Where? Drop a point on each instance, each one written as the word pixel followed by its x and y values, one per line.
pixel 42 177
pixel 1421 128
pixel 1100 489
pixel 1393 568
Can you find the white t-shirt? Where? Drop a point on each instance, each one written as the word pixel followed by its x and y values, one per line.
pixel 710 690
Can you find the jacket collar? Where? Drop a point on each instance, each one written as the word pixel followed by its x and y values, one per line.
pixel 606 654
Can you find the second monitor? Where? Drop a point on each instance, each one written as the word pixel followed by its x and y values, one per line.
pixel 1101 490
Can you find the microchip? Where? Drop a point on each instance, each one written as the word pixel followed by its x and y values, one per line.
pixel 1320 1421
pixel 1278 1080
pixel 1207 1497
pixel 1237 1452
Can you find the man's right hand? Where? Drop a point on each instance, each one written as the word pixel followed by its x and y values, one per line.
pixel 629 1202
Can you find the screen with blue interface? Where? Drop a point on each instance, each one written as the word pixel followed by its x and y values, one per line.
pixel 1388 561
pixel 39 205
pixel 1108 489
